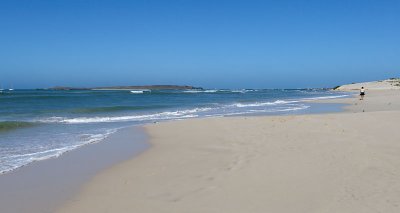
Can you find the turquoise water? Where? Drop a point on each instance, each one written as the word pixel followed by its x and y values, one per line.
pixel 40 124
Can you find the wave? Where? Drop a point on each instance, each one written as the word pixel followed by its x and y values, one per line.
pixel 259 111
pixel 239 108
pixel 259 104
pixel 280 102
pixel 244 90
pixel 155 116
pixel 101 109
pixel 12 162
pixel 12 125
pixel 201 91
pixel 140 91
pixel 113 109
pixel 284 109
pixel 219 91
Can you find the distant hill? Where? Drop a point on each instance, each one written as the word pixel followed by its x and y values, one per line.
pixel 151 87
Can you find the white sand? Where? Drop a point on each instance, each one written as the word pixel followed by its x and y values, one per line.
pixel 389 84
pixel 342 162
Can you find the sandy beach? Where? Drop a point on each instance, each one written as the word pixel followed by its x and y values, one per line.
pixel 286 106
pixel 338 162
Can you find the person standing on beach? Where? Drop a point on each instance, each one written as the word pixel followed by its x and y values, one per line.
pixel 362 93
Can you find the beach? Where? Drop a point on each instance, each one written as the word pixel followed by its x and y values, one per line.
pixel 199 107
pixel 49 149
pixel 334 162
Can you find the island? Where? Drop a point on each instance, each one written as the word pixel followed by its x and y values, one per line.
pixel 146 87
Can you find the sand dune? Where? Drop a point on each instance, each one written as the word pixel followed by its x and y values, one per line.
pixel 388 84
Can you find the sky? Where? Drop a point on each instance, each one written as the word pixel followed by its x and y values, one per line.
pixel 213 44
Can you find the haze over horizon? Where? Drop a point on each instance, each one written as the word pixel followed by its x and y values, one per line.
pixel 211 44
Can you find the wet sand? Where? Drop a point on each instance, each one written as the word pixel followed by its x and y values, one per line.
pixel 43 186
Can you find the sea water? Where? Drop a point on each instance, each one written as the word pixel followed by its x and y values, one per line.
pixel 41 124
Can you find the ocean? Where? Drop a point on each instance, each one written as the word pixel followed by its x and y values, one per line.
pixel 41 124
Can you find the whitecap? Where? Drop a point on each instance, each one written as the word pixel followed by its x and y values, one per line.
pixel 140 91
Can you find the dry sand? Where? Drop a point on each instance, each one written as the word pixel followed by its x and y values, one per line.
pixel 388 84
pixel 342 162
pixel 374 100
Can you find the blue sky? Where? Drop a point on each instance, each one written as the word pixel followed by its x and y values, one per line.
pixel 214 44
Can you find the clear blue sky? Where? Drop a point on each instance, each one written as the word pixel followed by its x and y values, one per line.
pixel 214 44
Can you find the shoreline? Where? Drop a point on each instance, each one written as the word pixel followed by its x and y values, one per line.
pixel 204 165
pixel 317 107
pixel 42 186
